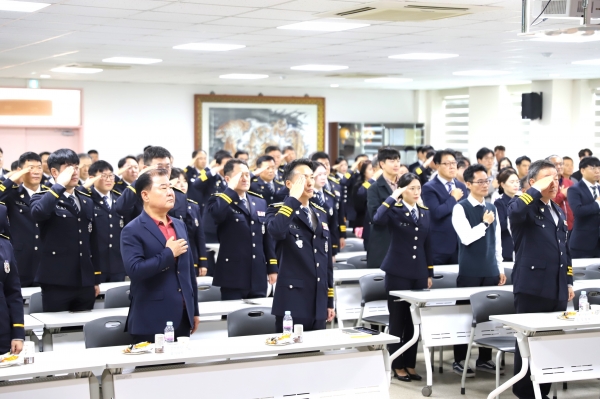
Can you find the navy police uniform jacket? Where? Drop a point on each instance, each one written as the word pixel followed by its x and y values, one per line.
pixel 194 192
pixel 120 185
pixel 24 231
pixel 409 255
pixel 332 208
pixel 193 222
pixel 261 187
pixel 208 184
pixel 586 225
pixel 305 279
pixel 12 325
pixel 542 258
pixel 246 255
pixel 107 235
pixel 65 235
pixel 162 286
pixel 501 205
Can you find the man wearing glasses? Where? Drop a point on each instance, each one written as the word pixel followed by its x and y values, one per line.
pixel 109 223
pixel 563 187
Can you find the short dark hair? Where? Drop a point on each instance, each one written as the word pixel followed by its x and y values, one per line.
pixel 289 148
pixel 264 158
pixel 424 148
pixel 28 156
pixel 521 159
pixel 123 160
pixel 64 156
pixel 462 163
pixel 272 148
pixel 146 147
pixel 406 179
pixel 499 148
pixel 505 159
pixel 44 153
pixel 339 160
pixel 240 152
pixel 586 152
pixel 221 155
pixel 359 156
pixel 84 155
pixel 567 158
pixel 589 161
pixel 483 152
pixel 437 158
pixel 195 152
pixel 319 155
pixel 537 166
pixel 363 170
pixel 14 166
pixel 139 157
pixel 317 164
pixel 385 153
pixel 155 152
pixel 228 168
pixel 471 170
pixel 145 180
pixel 90 152
pixel 99 166
pixel 503 176
pixel 430 154
pixel 288 172
pixel 176 173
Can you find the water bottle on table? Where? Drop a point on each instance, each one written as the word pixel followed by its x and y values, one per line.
pixel 584 306
pixel 288 323
pixel 169 337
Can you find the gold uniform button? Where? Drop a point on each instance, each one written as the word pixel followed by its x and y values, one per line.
pixel 416 229
pixel 110 245
pixel 253 256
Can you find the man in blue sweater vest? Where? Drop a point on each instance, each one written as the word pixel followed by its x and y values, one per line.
pixel 479 252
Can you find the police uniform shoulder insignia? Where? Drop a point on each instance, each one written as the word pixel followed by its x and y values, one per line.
pixel 192 201
pixel 277 204
pixel 45 187
pixel 120 182
pixel 398 204
pixel 5 236
pixel 83 193
pixel 333 179
pixel 6 267
pixel 366 185
pixel 422 206
pixel 318 207
pixel 279 182
pixel 347 175
pixel 185 170
pixel 255 194
pixel 116 192
pixel 2 203
pixel 15 186
pixel 255 179
pixel 329 192
pixel 176 189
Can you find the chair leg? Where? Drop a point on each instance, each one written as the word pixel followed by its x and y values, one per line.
pixel 466 364
pixel 441 369
pixel 565 385
pixel 431 358
pixel 554 390
pixel 498 355
pixel 503 359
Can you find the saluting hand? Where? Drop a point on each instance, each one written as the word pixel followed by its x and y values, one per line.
pixel 65 176
pixel 178 247
pixel 336 167
pixel 544 183
pixel 378 174
pixel 428 162
pixel 298 187
pixel 398 192
pixel 457 193
pixel 356 165
pixel 14 176
pixel 148 169
pixel 124 169
pixel 90 182
pixel 488 217
pixel 234 181
pixel 258 171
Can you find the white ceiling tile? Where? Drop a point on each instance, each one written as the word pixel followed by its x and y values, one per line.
pixel 204 9
pixel 87 11
pixel 270 13
pixel 118 4
pixel 241 3
pixel 256 22
pixel 173 17
pixel 225 29
pixel 316 5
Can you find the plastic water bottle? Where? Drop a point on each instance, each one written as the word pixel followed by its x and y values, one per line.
pixel 169 333
pixel 288 323
pixel 584 306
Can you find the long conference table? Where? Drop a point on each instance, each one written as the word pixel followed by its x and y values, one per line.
pixel 355 366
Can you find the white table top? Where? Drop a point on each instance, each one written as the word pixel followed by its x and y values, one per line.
pixel 541 322
pixel 344 256
pixel 32 323
pixel 68 319
pixel 353 274
pixel 53 363
pixel 240 347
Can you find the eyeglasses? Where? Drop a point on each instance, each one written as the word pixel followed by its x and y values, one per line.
pixel 482 182
pixel 594 168
pixel 448 164
pixel 107 176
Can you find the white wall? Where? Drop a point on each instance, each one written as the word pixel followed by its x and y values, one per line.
pixel 122 118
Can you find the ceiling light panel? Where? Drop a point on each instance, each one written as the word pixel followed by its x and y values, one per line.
pixel 243 76
pixel 209 47
pixel 132 60
pixel 21 6
pixel 323 26
pixel 318 67
pixel 422 56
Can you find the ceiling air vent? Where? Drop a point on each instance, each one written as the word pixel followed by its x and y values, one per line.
pixel 404 11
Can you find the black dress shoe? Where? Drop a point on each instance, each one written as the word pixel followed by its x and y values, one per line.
pixel 405 378
pixel 414 377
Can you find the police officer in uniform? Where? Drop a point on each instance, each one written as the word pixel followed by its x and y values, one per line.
pixel 543 275
pixel 128 173
pixel 246 258
pixel 107 235
pixel 24 231
pixel 407 265
pixel 326 200
pixel 192 172
pixel 302 245
pixel 264 182
pixel 67 273
pixel 12 325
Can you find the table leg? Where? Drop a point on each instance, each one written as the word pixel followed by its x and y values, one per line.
pixel 536 390
pixel 108 388
pixel 47 344
pixel 523 343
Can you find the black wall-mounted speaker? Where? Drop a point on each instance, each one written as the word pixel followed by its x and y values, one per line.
pixel 531 106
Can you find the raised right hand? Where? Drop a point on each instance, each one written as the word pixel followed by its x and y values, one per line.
pixel 65 176
pixel 378 174
pixel 234 181
pixel 488 217
pixel 457 193
pixel 258 171
pixel 544 183
pixel 19 173
pixel 148 169
pixel 298 187
pixel 398 192
pixel 90 182
pixel 178 247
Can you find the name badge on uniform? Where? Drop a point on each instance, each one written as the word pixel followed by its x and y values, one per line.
pixel 6 267
pixel 90 227
pixel 325 226
pixel 260 213
pixel 121 223
pixel 196 221
pixel 326 247
pixel 61 207
pixel 299 243
pixel 263 229
pixel 337 193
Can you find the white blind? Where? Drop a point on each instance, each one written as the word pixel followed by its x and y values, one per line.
pixel 597 119
pixel 521 125
pixel 456 123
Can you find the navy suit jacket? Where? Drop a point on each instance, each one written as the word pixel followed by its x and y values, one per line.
pixel 586 224
pixel 159 284
pixel 440 203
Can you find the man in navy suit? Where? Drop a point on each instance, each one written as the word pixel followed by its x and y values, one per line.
pixel 584 199
pixel 440 195
pixel 156 259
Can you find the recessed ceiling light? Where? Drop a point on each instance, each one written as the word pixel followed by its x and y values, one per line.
pixel 388 80
pixel 45 76
pixel 209 47
pixel 132 60
pixel 68 69
pixel 21 6
pixel 323 26
pixel 317 67
pixel 422 56
pixel 245 76
pixel 587 62
pixel 334 85
pixel 480 72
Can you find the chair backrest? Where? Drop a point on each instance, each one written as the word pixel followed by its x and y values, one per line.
pixel 208 293
pixel 35 303
pixel 107 331
pixel 117 297
pixel 508 274
pixel 491 303
pixel 252 321
pixel 586 275
pixel 595 267
pixel 442 279
pixel 372 288
pixel 343 266
pixel 593 296
pixel 360 262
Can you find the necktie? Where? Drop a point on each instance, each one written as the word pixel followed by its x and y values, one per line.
pixel 552 214
pixel 106 201
pixel 73 203
pixel 320 198
pixel 244 202
pixel 594 188
pixel 413 213
pixel 449 185
pixel 271 187
pixel 307 212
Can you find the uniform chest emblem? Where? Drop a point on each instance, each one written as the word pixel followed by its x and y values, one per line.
pixel 331 211
pixel 260 213
pixel 263 229
pixel 6 267
pixel 22 195
pixel 542 209
pixel 90 227
pixel 197 222
pixel 299 243
pixel 121 223
pixel 325 226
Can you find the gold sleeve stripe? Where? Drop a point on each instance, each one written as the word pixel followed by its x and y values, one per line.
pixel 273 261
pixel 430 267
pixel 335 246
pixel 2 187
pixel 132 189
pixel 203 259
pixel 285 213
pixel 386 204
pixel 195 265
pixel 97 273
pixel 343 228
pixel 53 193
pixel 287 208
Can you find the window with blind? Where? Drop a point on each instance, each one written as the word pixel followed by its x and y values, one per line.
pixel 456 123
pixel 597 119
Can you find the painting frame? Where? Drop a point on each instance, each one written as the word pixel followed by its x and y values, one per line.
pixel 201 99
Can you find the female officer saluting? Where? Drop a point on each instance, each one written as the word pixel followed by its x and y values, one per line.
pixel 407 265
pixel 12 326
